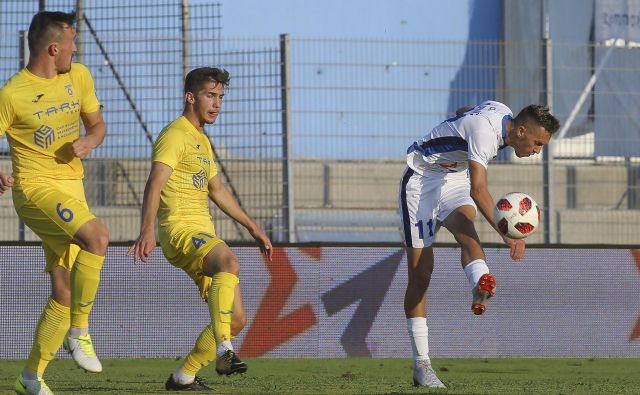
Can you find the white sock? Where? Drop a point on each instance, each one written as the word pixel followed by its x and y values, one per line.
pixel 75 332
pixel 223 347
pixel 181 378
pixel 419 334
pixel 474 270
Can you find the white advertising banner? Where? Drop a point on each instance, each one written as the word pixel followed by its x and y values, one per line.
pixel 348 301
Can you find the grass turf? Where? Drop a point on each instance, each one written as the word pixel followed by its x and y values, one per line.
pixel 353 376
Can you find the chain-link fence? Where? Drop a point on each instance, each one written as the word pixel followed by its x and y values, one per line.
pixel 313 132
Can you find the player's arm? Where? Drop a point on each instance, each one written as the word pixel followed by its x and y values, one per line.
pixel 221 196
pixel 95 130
pixel 6 119
pixel 146 241
pixel 483 199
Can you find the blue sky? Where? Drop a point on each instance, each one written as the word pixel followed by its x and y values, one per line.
pixel 397 19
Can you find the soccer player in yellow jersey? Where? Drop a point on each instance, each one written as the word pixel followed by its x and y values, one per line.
pixel 40 111
pixel 183 178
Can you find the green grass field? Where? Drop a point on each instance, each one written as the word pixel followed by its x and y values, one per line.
pixel 354 376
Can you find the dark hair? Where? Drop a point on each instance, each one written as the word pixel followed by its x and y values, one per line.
pixel 47 26
pixel 196 78
pixel 540 115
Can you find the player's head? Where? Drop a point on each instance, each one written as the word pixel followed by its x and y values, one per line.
pixel 533 128
pixel 203 92
pixel 52 33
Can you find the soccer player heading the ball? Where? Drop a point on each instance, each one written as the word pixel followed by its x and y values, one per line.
pixel 40 110
pixel 444 183
pixel 183 178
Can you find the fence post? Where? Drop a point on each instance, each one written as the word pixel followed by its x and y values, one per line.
pixel 288 209
pixel 24 59
pixel 185 37
pixel 547 153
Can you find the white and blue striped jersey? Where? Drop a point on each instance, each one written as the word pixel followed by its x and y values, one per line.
pixel 475 135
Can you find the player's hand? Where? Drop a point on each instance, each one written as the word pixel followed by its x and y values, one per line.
pixel 263 242
pixel 6 182
pixel 517 247
pixel 82 147
pixel 143 246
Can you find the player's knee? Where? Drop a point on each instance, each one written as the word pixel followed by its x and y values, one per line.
pixel 102 237
pixel 93 237
pixel 232 265
pixel 223 263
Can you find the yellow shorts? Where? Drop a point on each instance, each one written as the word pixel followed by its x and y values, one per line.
pixel 54 210
pixel 185 245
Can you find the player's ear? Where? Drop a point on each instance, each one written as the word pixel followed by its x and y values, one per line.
pixel 52 49
pixel 189 98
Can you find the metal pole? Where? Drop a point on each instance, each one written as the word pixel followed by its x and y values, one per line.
pixel 550 234
pixel 79 38
pixel 584 94
pixel 41 5
pixel 24 59
pixel 127 96
pixel 185 37
pixel 288 213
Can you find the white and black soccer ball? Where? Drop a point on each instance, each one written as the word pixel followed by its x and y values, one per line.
pixel 517 215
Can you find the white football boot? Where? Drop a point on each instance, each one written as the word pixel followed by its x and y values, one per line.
pixel 31 387
pixel 424 376
pixel 82 352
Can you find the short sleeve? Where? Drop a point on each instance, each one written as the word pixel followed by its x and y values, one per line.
pixel 213 169
pixel 6 111
pixel 169 147
pixel 88 97
pixel 482 143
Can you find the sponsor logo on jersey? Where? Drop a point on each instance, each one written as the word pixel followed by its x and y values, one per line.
pixel 44 136
pixel 64 108
pixel 199 180
pixel 37 99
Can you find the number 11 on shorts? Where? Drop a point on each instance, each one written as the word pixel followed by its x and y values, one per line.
pixel 420 227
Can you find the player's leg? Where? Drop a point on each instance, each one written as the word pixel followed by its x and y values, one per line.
pixel 92 239
pixel 204 351
pixel 223 267
pixel 59 215
pixel 460 223
pixel 420 266
pixel 50 332
pixel 417 201
pixel 239 319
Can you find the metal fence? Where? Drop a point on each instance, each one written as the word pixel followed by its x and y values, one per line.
pixel 313 132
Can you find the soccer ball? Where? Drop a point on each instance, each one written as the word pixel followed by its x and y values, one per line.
pixel 517 215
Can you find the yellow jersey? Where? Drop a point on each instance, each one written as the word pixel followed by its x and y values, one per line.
pixel 185 196
pixel 41 117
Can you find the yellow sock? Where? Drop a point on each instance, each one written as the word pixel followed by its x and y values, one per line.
pixel 202 354
pixel 85 277
pixel 221 295
pixel 50 331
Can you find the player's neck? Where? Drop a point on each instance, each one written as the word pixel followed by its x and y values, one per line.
pixel 192 117
pixel 42 67
pixel 510 125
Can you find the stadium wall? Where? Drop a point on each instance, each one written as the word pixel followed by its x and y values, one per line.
pixel 347 301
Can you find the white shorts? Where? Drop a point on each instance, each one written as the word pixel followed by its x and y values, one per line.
pixel 426 201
